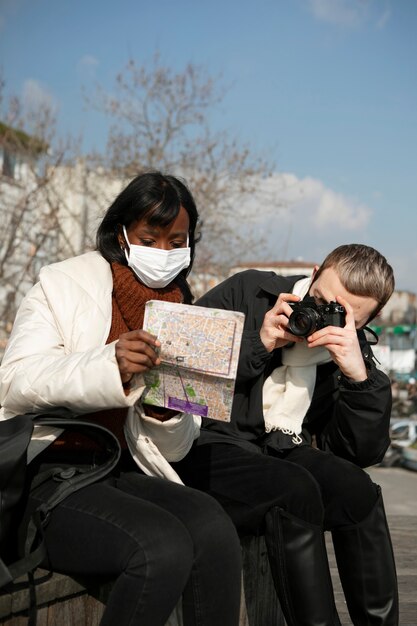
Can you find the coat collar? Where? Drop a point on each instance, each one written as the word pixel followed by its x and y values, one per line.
pixel 274 284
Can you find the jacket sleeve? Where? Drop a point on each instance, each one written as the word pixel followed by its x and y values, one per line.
pixel 253 356
pixel 232 295
pixel 359 428
pixel 39 373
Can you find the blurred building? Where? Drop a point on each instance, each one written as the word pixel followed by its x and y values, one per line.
pixel 284 268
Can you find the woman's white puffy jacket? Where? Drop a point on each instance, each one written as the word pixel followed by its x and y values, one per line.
pixel 57 357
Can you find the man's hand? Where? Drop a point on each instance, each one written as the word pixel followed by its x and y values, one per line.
pixel 136 353
pixel 343 345
pixel 274 332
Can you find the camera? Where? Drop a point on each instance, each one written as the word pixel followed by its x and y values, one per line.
pixel 307 317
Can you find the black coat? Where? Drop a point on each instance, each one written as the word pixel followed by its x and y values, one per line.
pixel 347 418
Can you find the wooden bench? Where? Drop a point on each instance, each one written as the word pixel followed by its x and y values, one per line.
pixel 65 601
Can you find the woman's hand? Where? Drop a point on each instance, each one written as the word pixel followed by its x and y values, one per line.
pixel 136 352
pixel 274 333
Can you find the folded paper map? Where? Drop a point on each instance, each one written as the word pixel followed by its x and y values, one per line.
pixel 199 353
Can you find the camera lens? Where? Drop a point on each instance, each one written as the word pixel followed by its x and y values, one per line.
pixel 303 323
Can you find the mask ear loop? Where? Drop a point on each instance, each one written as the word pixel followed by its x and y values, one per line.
pixel 128 243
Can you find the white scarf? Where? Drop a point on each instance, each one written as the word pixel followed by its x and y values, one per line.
pixel 288 391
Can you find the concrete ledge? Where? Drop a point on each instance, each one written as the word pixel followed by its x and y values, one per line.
pixel 51 588
pixel 66 601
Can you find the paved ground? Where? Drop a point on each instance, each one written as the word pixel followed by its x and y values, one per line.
pixel 399 488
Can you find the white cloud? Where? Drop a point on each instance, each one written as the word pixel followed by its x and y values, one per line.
pixel 87 65
pixel 35 95
pixel 319 206
pixel 383 19
pixel 333 209
pixel 346 12
pixel 88 61
pixel 301 218
pixel 351 13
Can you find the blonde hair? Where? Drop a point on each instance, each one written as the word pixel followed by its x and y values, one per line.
pixel 363 271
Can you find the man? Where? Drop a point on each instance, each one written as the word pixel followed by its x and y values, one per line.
pixel 309 412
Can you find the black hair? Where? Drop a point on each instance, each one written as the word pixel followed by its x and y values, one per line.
pixel 157 198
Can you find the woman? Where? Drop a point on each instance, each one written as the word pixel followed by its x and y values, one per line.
pixel 78 343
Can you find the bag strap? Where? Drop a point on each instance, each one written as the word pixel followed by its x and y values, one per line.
pixel 75 478
pixel 71 480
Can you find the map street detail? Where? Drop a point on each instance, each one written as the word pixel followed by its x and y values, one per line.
pixel 199 353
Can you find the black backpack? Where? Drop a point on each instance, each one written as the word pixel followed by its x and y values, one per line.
pixel 15 435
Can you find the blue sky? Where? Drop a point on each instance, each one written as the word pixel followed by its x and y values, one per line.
pixel 327 89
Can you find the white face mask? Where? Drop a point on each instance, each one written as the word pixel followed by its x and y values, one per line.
pixel 154 267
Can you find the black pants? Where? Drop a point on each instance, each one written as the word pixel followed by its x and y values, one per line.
pixel 159 540
pixel 292 499
pixel 317 487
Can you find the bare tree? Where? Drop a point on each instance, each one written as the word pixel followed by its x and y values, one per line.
pixel 51 199
pixel 37 219
pixel 160 119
